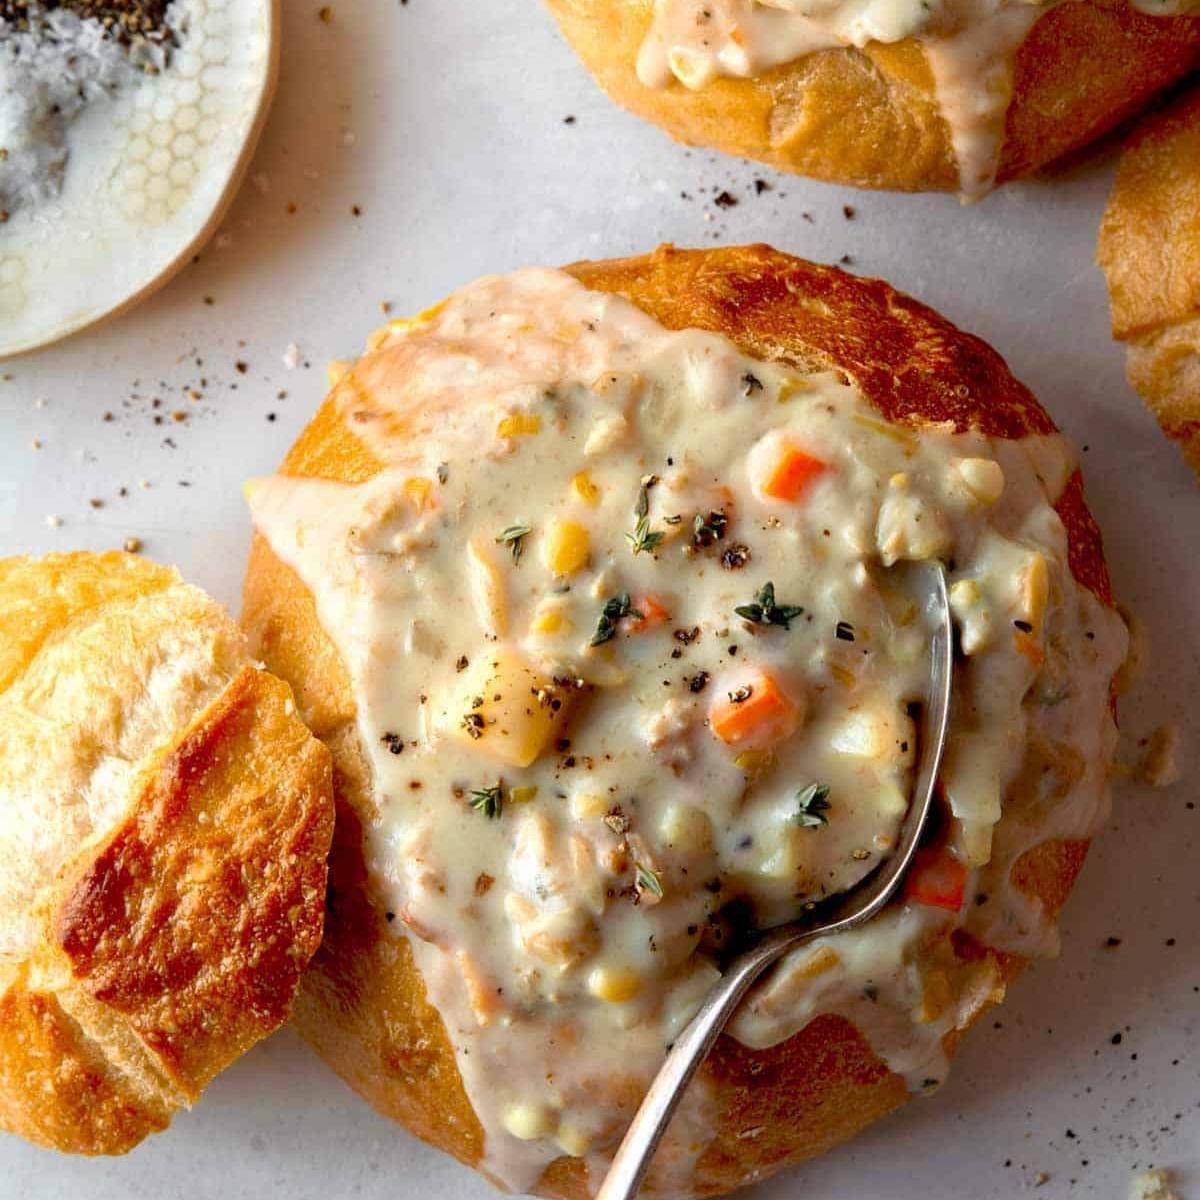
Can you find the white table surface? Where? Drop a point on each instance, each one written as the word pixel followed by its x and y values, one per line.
pixel 443 120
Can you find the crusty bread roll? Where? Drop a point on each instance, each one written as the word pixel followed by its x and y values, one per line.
pixel 1150 252
pixel 871 117
pixel 165 819
pixel 364 1005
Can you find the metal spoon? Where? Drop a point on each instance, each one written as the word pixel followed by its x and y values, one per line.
pixel 856 907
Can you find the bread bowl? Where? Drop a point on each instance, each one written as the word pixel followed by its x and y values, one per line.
pixel 1150 252
pixel 579 742
pixel 165 819
pixel 907 96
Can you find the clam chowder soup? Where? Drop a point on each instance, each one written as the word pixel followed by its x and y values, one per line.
pixel 970 46
pixel 633 674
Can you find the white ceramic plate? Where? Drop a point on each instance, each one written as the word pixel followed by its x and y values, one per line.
pixel 149 175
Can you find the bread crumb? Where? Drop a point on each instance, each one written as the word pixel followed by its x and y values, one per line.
pixel 1158 765
pixel 1153 1185
pixel 53 521
pixel 291 356
pixel 133 545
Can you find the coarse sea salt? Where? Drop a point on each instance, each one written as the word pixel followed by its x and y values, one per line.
pixel 53 63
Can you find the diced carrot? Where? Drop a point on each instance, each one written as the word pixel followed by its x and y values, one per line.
pixel 757 713
pixel 1029 646
pixel 654 612
pixel 936 878
pixel 791 473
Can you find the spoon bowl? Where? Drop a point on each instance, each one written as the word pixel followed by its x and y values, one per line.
pixel 857 906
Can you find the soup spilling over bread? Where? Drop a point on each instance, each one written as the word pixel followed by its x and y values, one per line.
pixel 970 47
pixel 631 678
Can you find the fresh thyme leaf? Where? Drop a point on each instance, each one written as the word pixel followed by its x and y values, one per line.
pixel 648 881
pixel 488 800
pixel 709 528
pixel 615 608
pixel 642 507
pixel 643 537
pixel 812 803
pixel 514 537
pixel 764 610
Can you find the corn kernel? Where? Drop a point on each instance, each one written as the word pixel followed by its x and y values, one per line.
pixel 983 477
pixel 689 68
pixel 418 490
pixel 897 433
pixel 565 548
pixel 818 963
pixel 549 620
pixel 583 488
pixel 614 984
pixel 527 1121
pixel 522 795
pixel 519 425
pixel 754 764
pixel 936 995
pixel 337 369
pixel 585 805
pixel 573 1139
pixel 792 386
pixel 1035 589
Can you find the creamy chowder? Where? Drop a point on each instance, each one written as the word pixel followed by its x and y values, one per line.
pixel 970 46
pixel 633 673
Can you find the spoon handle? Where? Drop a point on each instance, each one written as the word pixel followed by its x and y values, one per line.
pixel 641 1139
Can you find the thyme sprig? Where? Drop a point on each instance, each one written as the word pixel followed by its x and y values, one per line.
pixel 765 611
pixel 514 537
pixel 812 803
pixel 643 537
pixel 488 800
pixel 615 608
pixel 648 881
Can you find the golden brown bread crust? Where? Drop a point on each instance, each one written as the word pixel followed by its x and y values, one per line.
pixel 870 117
pixel 363 1004
pixel 170 938
pixel 1150 252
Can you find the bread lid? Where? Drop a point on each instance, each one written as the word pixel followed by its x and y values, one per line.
pixel 164 823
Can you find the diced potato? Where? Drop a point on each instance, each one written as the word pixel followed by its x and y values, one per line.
pixel 874 733
pixel 505 708
pixel 615 985
pixel 519 425
pixel 583 488
pixel 607 431
pixel 487 587
pixel 686 828
pixel 566 547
